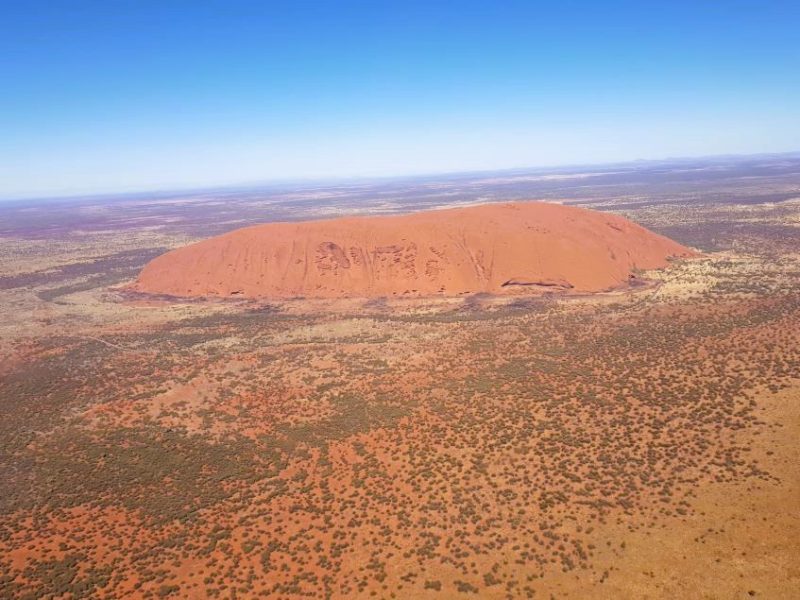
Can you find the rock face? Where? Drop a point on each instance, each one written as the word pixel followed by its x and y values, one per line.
pixel 496 248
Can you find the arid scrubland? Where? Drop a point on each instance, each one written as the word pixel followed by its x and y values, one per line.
pixel 634 444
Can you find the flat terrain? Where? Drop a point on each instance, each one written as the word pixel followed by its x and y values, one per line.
pixel 635 444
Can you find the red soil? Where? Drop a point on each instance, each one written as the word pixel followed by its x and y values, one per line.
pixel 489 248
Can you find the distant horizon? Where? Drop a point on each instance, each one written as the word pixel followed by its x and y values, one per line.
pixel 115 97
pixel 361 179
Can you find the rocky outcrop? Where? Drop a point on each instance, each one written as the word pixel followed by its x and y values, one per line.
pixel 497 248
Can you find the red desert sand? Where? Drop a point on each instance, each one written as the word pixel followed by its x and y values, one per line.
pixel 491 248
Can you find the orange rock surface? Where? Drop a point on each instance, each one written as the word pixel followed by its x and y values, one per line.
pixel 492 248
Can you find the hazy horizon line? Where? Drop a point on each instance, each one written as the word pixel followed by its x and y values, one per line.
pixel 181 188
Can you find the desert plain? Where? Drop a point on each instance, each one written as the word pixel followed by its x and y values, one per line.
pixel 638 442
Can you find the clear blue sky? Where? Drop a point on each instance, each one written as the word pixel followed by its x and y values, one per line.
pixel 118 95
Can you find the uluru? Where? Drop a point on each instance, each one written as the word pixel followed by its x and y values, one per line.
pixel 494 248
